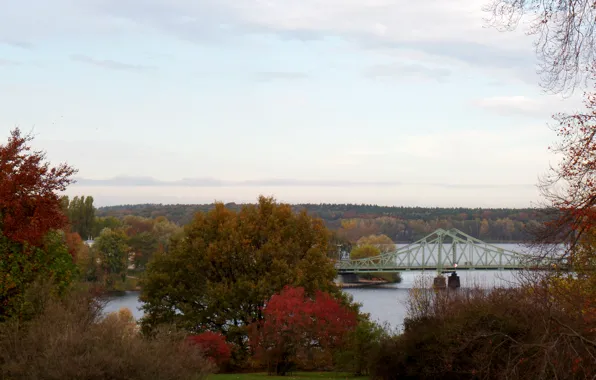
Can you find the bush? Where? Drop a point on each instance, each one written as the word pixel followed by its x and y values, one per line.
pixel 519 333
pixel 362 344
pixel 70 340
pixel 214 346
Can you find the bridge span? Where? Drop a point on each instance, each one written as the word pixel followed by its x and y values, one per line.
pixel 445 250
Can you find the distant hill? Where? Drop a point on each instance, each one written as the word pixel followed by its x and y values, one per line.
pixel 352 221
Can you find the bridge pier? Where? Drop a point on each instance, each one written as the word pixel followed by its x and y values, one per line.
pixel 439 282
pixel 348 278
pixel 453 281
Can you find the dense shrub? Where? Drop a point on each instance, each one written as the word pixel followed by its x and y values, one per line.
pixel 300 332
pixel 361 344
pixel 70 340
pixel 214 346
pixel 520 333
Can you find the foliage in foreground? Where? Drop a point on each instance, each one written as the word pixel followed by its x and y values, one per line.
pixel 69 341
pixel 219 274
pixel 530 332
pixel 21 266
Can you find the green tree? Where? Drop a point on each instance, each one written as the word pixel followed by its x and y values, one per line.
pixel 105 222
pixel 81 214
pixel 22 265
pixel 220 273
pixel 143 245
pixel 113 250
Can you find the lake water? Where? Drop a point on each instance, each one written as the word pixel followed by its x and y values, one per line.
pixel 385 304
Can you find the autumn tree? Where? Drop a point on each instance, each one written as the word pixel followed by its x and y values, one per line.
pixel 364 251
pixel 31 246
pixel 300 330
pixel 382 242
pixel 147 236
pixel 214 346
pixel 29 202
pixel 570 187
pixel 226 265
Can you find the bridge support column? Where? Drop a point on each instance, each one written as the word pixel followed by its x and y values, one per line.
pixel 453 281
pixel 439 282
pixel 348 278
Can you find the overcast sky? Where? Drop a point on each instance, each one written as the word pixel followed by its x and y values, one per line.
pixel 364 101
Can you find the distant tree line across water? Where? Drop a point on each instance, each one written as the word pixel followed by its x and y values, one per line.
pixel 352 221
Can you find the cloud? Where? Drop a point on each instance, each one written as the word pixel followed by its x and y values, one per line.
pixel 407 70
pixel 279 75
pixel 510 105
pixel 109 64
pixel 453 29
pixel 9 62
pixel 542 106
pixel 125 181
pixel 19 44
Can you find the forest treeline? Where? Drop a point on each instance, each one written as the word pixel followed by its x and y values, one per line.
pixel 353 221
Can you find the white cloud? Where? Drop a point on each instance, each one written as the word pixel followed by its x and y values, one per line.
pixel 510 104
pixel 452 29
pixel 542 106
pixel 408 70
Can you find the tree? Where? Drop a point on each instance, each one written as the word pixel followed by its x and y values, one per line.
pixel 29 201
pixel 31 247
pixel 362 344
pixel 214 346
pixel 570 187
pixel 364 251
pixel 113 253
pixel 107 222
pixel 143 246
pixel 297 328
pixel 566 45
pixel 49 263
pixel 220 272
pixel 382 242
pixel 81 214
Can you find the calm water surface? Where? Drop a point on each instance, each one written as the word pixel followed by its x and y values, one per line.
pixel 386 304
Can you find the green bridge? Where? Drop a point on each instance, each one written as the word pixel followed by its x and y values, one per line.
pixel 445 250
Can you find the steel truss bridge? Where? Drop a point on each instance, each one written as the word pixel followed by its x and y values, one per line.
pixel 445 250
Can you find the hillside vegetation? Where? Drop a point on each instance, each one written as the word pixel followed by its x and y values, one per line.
pixel 352 221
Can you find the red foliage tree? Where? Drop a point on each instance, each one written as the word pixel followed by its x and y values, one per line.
pixel 29 202
pixel 214 346
pixel 295 328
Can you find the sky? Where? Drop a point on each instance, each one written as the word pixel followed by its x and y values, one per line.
pixel 391 102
